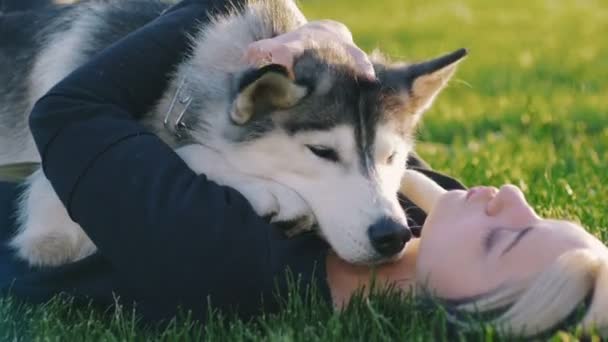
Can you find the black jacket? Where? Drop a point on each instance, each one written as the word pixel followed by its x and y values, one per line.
pixel 22 5
pixel 167 238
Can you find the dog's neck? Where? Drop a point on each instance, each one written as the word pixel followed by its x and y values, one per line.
pixel 202 86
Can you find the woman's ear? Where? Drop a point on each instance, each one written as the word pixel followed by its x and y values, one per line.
pixel 266 89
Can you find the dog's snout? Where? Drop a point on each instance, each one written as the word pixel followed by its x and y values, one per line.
pixel 388 237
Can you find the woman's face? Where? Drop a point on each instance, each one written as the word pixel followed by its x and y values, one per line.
pixel 474 241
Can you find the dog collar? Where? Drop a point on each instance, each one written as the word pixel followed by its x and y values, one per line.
pixel 179 103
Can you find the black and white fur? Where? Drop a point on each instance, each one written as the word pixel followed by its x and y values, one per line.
pixel 325 149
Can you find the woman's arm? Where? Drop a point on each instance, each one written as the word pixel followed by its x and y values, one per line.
pixel 127 78
pixel 173 237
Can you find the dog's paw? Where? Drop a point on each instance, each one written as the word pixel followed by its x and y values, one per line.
pixel 296 226
pixel 283 206
pixel 257 193
pixel 46 234
pixel 294 215
pixel 53 248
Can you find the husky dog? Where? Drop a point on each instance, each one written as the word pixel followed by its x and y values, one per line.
pixel 319 148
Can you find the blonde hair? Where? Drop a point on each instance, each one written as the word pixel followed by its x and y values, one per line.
pixel 538 304
pixel 541 303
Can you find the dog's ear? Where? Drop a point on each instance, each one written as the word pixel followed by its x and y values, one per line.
pixel 418 84
pixel 266 89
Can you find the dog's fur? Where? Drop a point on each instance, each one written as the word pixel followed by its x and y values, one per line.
pixel 326 148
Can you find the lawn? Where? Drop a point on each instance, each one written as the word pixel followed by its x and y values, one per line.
pixel 529 106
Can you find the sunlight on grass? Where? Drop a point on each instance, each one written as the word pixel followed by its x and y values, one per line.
pixel 529 106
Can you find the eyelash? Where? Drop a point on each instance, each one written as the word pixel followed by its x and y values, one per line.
pixel 330 154
pixel 324 152
pixel 491 238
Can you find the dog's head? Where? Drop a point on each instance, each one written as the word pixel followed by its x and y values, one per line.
pixel 339 141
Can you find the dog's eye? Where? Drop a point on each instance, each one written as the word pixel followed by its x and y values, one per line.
pixel 324 152
pixel 391 158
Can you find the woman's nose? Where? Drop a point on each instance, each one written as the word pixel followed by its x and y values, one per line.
pixel 509 198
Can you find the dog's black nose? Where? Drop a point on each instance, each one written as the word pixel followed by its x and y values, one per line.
pixel 388 237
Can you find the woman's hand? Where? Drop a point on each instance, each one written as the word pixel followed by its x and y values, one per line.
pixel 284 48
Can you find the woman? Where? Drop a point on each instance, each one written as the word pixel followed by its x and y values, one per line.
pixel 528 273
pixel 536 270
pixel 196 244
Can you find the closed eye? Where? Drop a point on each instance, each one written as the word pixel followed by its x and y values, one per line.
pixel 324 152
pixel 391 158
pixel 494 236
pixel 517 239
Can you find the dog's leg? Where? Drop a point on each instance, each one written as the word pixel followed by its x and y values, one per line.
pixel 293 214
pixel 286 209
pixel 47 236
pixel 283 205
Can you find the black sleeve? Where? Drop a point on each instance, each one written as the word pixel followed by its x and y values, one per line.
pixel 173 237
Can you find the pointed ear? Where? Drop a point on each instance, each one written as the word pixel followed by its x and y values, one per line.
pixel 263 90
pixel 429 78
pixel 423 81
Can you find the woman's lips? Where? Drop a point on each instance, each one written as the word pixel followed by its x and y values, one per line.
pixel 471 192
pixel 481 190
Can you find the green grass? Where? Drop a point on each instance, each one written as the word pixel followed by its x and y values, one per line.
pixel 529 106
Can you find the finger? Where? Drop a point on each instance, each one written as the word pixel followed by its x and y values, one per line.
pixel 333 28
pixel 365 67
pixel 421 190
pixel 258 53
pixel 283 55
